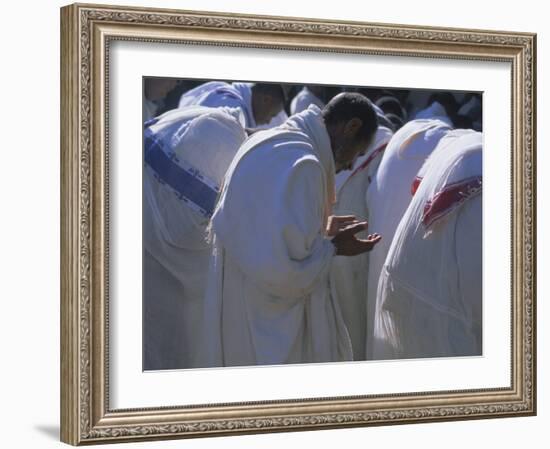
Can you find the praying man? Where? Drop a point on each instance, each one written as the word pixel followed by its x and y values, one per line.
pixel 269 299
pixel 396 178
pixel 429 298
pixel 187 152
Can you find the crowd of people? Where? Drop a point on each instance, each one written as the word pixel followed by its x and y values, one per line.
pixel 295 224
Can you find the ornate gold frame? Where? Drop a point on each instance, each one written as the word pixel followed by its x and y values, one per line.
pixel 86 31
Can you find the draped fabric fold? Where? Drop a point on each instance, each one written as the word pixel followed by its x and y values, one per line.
pixel 215 94
pixel 348 275
pixel 388 196
pixel 186 154
pixel 268 280
pixel 431 279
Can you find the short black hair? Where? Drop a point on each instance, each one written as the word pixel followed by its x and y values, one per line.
pixel 349 105
pixel 273 90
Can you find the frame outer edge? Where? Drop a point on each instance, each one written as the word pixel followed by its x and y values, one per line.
pixel 79 231
pixel 69 257
pixel 534 157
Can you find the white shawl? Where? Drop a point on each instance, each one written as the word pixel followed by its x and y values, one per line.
pixel 200 143
pixel 216 94
pixel 389 195
pixel 422 309
pixel 268 299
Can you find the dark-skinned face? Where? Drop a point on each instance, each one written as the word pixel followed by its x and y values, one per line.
pixel 347 146
pixel 265 107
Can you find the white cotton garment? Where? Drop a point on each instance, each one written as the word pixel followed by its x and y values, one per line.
pixel 434 111
pixel 278 120
pixel 430 291
pixel 389 194
pixel 268 299
pixel 215 94
pixel 303 100
pixel 203 141
pixel 348 275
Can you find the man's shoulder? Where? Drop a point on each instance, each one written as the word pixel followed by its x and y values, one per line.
pixel 292 149
pixel 279 160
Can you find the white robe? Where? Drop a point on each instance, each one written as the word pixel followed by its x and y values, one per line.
pixel 389 195
pixel 434 111
pixel 215 94
pixel 268 299
pixel 348 275
pixel 303 100
pixel 279 119
pixel 429 294
pixel 200 143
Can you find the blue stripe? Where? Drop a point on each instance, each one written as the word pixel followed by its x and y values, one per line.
pixel 150 122
pixel 184 183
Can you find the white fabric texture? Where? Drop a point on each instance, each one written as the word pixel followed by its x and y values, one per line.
pixel 216 94
pixel 268 299
pixel 278 120
pixel 429 294
pixel 176 252
pixel 434 111
pixel 348 275
pixel 389 195
pixel 303 100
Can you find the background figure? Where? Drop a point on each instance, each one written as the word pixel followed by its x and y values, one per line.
pixel 429 294
pixel 307 96
pixel 172 98
pixel 186 155
pixel 155 91
pixel 389 195
pixel 472 109
pixel 348 275
pixel 442 106
pixel 259 102
pixel 278 120
pixel 391 105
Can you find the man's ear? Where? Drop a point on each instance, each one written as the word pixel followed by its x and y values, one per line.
pixel 351 127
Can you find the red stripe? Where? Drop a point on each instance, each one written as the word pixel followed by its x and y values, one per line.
pixel 372 156
pixel 449 198
pixel 415 184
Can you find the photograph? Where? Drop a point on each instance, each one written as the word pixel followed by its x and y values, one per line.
pixel 278 224
pixel 289 224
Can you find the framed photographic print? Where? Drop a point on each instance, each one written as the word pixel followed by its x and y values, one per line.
pixel 280 224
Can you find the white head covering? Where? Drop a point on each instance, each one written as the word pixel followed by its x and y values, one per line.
pixel 423 234
pixel 217 94
pixel 187 152
pixel 204 138
pixel 434 111
pixel 245 91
